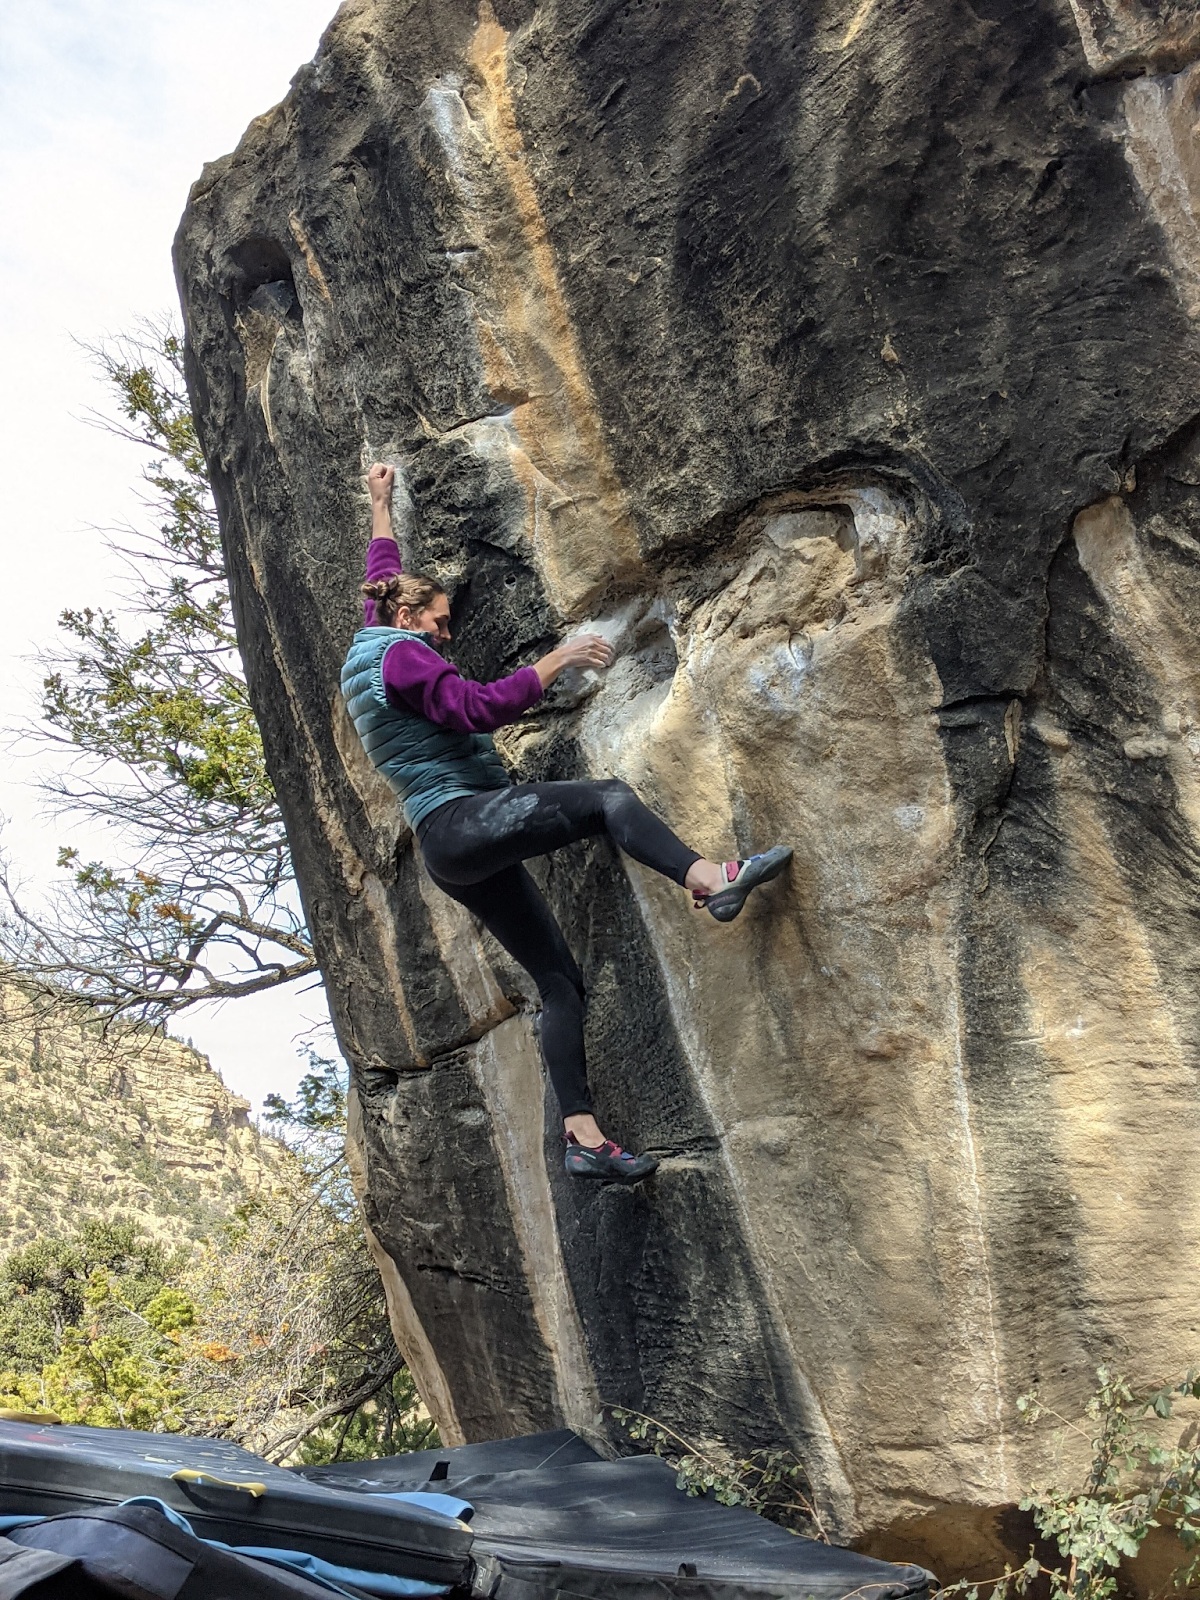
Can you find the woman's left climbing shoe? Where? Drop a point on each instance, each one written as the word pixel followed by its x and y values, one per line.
pixel 607 1160
pixel 741 877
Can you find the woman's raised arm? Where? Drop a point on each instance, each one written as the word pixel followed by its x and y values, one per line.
pixel 383 553
pixel 380 480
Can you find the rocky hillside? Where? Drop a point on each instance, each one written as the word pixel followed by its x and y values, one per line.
pixel 842 360
pixel 138 1127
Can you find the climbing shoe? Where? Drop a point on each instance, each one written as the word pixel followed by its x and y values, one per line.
pixel 741 877
pixel 607 1160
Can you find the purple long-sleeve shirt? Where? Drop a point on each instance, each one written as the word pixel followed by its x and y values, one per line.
pixel 416 677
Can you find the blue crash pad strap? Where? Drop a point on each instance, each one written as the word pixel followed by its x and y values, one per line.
pixel 449 1505
pixel 169 1512
pixel 380 1583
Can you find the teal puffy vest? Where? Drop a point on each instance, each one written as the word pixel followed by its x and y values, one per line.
pixel 425 765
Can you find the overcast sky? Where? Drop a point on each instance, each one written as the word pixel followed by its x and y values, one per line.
pixel 108 109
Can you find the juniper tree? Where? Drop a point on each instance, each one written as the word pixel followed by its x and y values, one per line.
pixel 147 713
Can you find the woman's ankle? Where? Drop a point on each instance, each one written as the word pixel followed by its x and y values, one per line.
pixel 704 877
pixel 584 1129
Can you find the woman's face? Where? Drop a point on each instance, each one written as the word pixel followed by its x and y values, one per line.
pixel 435 619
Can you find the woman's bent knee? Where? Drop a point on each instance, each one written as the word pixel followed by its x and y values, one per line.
pixel 616 796
pixel 561 988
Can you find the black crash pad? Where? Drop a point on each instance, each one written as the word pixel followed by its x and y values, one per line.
pixel 49 1469
pixel 551 1520
pixel 575 1524
pixel 433 1469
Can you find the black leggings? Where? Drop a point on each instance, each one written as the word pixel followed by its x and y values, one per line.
pixel 473 850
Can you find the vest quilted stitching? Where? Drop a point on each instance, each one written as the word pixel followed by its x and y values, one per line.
pixel 426 765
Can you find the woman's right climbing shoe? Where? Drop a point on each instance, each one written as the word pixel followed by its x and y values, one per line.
pixel 742 876
pixel 607 1160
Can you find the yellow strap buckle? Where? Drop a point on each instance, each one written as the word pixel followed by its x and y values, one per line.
pixel 190 1475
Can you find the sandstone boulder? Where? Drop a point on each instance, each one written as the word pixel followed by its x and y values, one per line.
pixel 841 359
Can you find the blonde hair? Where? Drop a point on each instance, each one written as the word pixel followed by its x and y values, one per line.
pixel 401 592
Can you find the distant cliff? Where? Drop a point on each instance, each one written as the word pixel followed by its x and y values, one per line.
pixel 137 1127
pixel 845 357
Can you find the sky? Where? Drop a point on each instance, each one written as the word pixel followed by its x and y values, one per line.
pixel 108 110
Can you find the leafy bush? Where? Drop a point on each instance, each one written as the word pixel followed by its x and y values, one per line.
pixel 1136 1479
pixel 773 1483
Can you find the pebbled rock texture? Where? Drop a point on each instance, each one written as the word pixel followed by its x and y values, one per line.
pixel 841 360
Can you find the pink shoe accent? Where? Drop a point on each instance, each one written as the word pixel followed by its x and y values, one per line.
pixel 729 872
pixel 607 1148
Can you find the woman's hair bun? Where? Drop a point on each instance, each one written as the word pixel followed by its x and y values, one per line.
pixel 402 591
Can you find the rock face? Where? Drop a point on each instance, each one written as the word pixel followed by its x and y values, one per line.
pixel 841 358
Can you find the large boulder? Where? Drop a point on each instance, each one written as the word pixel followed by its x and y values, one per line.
pixel 841 358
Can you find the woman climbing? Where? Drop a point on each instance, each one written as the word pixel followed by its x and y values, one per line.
pixel 428 730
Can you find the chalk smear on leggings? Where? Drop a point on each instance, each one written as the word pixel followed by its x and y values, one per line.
pixel 505 814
